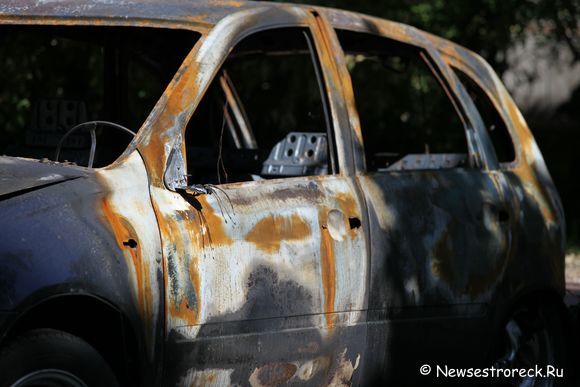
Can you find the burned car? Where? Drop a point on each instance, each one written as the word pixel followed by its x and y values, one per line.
pixel 244 193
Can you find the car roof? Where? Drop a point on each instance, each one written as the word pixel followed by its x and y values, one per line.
pixel 204 12
pixel 200 15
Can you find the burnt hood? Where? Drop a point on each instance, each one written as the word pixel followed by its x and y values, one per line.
pixel 20 174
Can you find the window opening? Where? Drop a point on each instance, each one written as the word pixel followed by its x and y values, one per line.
pixel 57 77
pixel 264 116
pixel 408 120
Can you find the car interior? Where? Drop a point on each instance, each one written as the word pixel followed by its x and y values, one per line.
pixel 407 119
pixel 55 78
pixel 264 116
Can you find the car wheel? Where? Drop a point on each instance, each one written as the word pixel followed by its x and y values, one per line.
pixel 533 339
pixel 51 358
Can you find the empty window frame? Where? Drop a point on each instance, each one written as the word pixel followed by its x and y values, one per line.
pixel 55 77
pixel 264 116
pixel 408 121
pixel 494 123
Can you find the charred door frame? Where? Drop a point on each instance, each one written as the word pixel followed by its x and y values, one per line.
pixel 527 172
pixel 479 144
pixel 164 128
pixel 163 147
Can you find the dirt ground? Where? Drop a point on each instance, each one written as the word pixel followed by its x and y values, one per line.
pixel 573 278
pixel 573 267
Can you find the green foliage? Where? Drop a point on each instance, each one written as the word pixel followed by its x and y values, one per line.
pixel 488 27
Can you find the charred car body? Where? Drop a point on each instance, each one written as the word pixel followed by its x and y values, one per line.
pixel 309 193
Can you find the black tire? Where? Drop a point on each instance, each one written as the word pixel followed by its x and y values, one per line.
pixel 47 357
pixel 538 338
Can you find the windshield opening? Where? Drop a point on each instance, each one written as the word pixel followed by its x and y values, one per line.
pixel 56 78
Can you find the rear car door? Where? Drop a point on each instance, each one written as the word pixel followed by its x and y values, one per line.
pixel 265 253
pixel 439 220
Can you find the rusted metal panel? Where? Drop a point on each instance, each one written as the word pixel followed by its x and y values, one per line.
pixel 73 237
pixel 263 253
pixel 128 212
pixel 266 251
pixel 407 277
pixel 531 170
pixel 529 164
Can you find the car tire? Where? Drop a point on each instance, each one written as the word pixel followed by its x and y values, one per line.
pixel 48 357
pixel 534 336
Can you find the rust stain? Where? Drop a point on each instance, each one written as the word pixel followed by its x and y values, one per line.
pixel 528 171
pixel 165 232
pixel 195 279
pixel 186 215
pixel 328 274
pixel 528 175
pixel 269 232
pixel 193 262
pixel 206 377
pixel 524 145
pixel 230 3
pixel 349 208
pixel 328 35
pixel 347 203
pixel 168 118
pixel 183 311
pixel 123 231
pixel 186 234
pixel 473 283
pixel 441 264
pixel 175 262
pixel 179 305
pixel 312 367
pixel 344 371
pixel 201 19
pixel 273 374
pixel 213 224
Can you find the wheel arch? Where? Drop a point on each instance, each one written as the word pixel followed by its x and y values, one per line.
pixel 531 297
pixel 100 323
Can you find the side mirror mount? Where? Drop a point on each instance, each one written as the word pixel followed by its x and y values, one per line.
pixel 175 177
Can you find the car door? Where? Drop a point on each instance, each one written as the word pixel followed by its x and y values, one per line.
pixel 439 220
pixel 265 254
